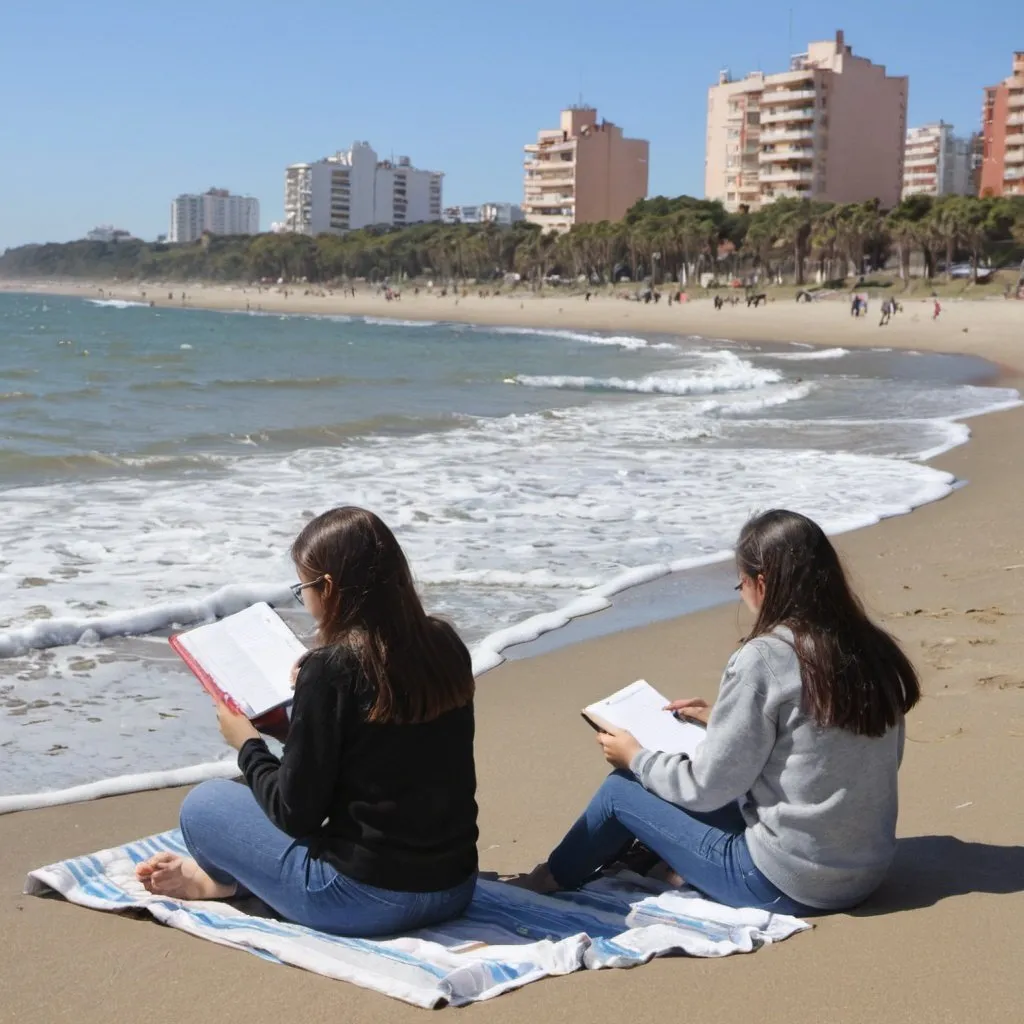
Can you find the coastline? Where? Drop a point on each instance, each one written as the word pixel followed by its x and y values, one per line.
pixel 990 328
pixel 947 580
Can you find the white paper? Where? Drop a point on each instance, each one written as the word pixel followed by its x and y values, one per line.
pixel 249 655
pixel 639 708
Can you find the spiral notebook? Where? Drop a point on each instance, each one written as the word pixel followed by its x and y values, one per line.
pixel 640 709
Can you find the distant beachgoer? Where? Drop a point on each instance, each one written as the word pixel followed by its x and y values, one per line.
pixel 789 804
pixel 367 824
pixel 937 311
pixel 855 306
pixel 586 298
pixel 887 305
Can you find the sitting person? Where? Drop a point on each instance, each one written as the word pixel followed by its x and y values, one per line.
pixel 789 803
pixel 367 824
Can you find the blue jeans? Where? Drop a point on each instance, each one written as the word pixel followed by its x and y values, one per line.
pixel 709 851
pixel 232 840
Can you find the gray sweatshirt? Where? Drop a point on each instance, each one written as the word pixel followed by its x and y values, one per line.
pixel 820 803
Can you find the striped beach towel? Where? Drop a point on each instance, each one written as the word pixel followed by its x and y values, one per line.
pixel 507 938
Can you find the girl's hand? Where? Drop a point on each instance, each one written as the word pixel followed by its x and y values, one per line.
pixel 235 728
pixel 695 708
pixel 619 747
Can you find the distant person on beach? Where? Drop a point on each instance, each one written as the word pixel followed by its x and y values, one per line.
pixel 366 825
pixel 937 310
pixel 887 311
pixel 790 802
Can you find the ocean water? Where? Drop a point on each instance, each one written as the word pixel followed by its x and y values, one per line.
pixel 155 466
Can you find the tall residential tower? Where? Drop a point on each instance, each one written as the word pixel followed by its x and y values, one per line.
pixel 216 212
pixel 1002 167
pixel 583 171
pixel 832 128
pixel 937 163
pixel 354 189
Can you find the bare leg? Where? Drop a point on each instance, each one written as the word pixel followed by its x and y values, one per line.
pixel 167 874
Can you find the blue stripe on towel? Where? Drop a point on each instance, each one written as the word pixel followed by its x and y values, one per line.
pixel 507 937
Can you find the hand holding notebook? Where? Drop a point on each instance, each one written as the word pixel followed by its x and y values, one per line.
pixel 244 660
pixel 641 710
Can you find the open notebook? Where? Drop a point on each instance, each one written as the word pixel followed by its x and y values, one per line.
pixel 640 709
pixel 245 659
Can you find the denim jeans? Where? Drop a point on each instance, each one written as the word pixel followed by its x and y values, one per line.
pixel 233 840
pixel 709 851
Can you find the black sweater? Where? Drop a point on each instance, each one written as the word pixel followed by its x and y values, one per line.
pixel 393 806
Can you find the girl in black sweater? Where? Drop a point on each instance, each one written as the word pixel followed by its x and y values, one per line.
pixel 367 824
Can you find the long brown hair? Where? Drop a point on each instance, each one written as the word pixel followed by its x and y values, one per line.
pixel 855 676
pixel 416 664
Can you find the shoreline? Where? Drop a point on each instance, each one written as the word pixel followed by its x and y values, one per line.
pixel 986 328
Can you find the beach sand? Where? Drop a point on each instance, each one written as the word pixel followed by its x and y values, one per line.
pixel 939 943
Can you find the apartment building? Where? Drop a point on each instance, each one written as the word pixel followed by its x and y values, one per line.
pixel 483 213
pixel 216 211
pixel 354 189
pixel 1002 166
pixel 830 128
pixel 583 171
pixel 936 162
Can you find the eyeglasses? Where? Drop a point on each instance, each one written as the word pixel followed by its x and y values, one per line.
pixel 298 588
pixel 739 586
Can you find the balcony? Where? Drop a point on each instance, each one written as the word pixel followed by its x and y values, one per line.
pixel 1014 175
pixel 804 114
pixel 786 96
pixel 1014 156
pixel 1016 100
pixel 921 161
pixel 804 174
pixel 788 134
pixel 537 182
pixel 786 155
pixel 786 193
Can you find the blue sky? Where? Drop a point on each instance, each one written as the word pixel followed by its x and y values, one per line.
pixel 111 108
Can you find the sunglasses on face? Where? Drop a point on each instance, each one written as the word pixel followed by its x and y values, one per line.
pixel 298 588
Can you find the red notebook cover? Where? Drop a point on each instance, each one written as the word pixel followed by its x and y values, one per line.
pixel 274 722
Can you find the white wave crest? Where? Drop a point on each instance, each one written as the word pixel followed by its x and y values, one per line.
pixel 383 321
pixel 818 353
pixel 618 341
pixel 137 621
pixel 730 375
pixel 117 303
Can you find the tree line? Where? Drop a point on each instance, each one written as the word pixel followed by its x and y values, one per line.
pixel 659 239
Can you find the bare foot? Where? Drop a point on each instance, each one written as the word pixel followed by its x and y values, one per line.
pixel 167 874
pixel 661 872
pixel 539 880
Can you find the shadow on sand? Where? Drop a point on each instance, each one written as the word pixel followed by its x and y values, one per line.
pixel 928 869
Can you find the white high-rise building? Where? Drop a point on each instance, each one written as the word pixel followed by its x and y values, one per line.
pixel 354 189
pixel 937 162
pixel 216 211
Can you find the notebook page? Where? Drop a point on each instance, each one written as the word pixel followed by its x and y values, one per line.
pixel 639 709
pixel 249 655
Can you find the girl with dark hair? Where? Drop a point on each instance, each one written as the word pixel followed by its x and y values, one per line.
pixel 367 824
pixel 790 802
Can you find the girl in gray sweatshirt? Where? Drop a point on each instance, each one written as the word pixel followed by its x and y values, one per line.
pixel 790 802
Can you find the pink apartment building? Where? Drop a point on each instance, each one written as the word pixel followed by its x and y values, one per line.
pixel 830 128
pixel 584 171
pixel 1002 167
